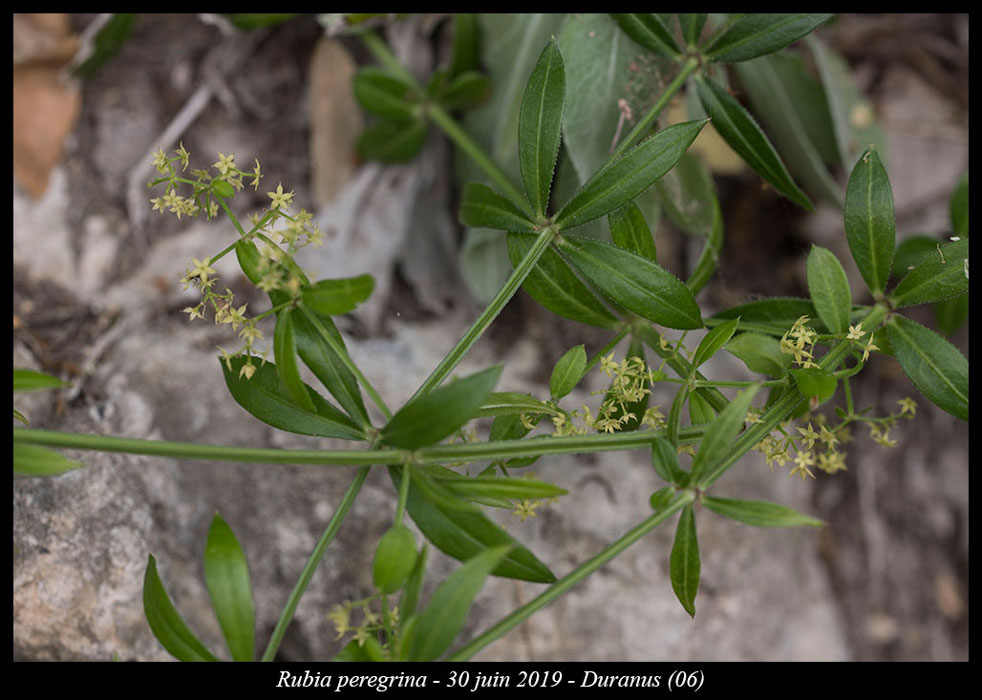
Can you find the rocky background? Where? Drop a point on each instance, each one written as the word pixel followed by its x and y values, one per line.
pixel 97 301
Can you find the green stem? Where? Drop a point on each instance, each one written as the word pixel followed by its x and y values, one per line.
pixel 765 328
pixel 346 360
pixel 222 453
pixel 711 383
pixel 403 494
pixel 374 43
pixel 313 561
pixel 642 127
pixel 465 143
pixel 572 578
pixel 506 292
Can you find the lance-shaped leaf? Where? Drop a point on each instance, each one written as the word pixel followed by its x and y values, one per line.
pixel 744 136
pixel 624 178
pixel 757 34
pixel 34 460
pixel 430 418
pixel 700 411
pixel 675 415
pixel 227 578
pixel 264 396
pixel 759 513
pixel 166 623
pixel 959 207
pixel 381 93
pixel 327 366
pixel 567 372
pixel 499 487
pixel 466 52
pixel 392 141
pixel 691 25
pixel 29 380
pixel 717 440
pixel 554 285
pixel 335 297
pixel 705 266
pixel 509 403
pixel 630 231
pixel 443 478
pixel 829 289
pixel 714 340
pixel 942 274
pixel 414 584
pixel 688 196
pixel 445 614
pixel 462 534
pixel 683 562
pixel 467 90
pixel 869 221
pixel 285 352
pixel 665 460
pixel 935 366
pixel 483 207
pixel 635 283
pixel 781 312
pixel 649 31
pixel 760 353
pixel 539 126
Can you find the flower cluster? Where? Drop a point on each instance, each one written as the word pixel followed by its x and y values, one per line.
pixel 799 342
pixel 275 235
pixel 372 622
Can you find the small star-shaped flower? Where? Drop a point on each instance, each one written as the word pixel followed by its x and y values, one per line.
pixel 280 198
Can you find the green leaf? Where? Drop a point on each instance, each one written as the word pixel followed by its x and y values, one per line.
pixel 500 487
pixel 430 418
pixel 446 481
pixel 744 136
pixel 268 400
pixel 630 231
pixel 227 578
pixel 166 623
pixel 384 94
pixel 567 372
pixel 392 141
pixel 437 493
pixel 758 513
pixel 688 196
pixel 462 534
pixel 852 114
pixel 336 297
pixel 395 558
pixel 635 283
pixel 665 460
pixel 959 207
pixel 624 178
pixel 466 91
pixel 780 312
pixel 285 352
pixel 936 367
pixel 483 207
pixel 757 34
pixel 869 221
pixel 951 314
pixel 327 366
pixel 540 125
pixel 691 25
pixel 706 264
pixel 504 403
pixel 793 107
pixel 365 650
pixel 683 563
pixel 29 380
pixel 444 617
pixel 911 252
pixel 414 584
pixel 660 498
pixel 21 417
pixel 760 353
pixel 829 289
pixel 556 287
pixel 108 42
pixel 649 31
pixel 817 384
pixel 717 441
pixel 700 411
pixel 714 340
pixel 466 53
pixel 33 460
pixel 941 275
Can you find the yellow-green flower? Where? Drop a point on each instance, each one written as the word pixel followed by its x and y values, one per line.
pixel 225 163
pixel 907 406
pixel 281 199
pixel 856 332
